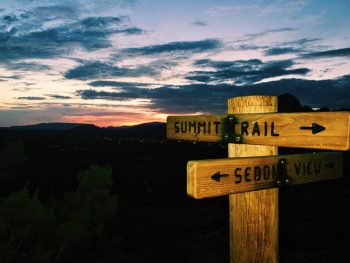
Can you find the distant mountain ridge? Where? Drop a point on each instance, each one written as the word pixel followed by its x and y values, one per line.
pixel 73 126
pixel 141 125
pixel 286 103
pixel 59 126
pixel 149 130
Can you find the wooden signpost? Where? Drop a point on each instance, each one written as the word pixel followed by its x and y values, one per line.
pixel 320 130
pixel 253 172
pixel 209 178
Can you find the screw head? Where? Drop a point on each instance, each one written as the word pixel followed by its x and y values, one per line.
pixel 231 118
pixel 279 183
pixel 238 138
pixel 225 137
pixel 283 161
pixel 287 181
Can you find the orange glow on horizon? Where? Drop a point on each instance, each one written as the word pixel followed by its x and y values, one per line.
pixel 117 120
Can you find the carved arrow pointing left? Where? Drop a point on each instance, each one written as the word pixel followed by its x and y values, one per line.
pixel 217 176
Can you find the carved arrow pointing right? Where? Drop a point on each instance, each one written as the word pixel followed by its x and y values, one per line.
pixel 330 165
pixel 315 128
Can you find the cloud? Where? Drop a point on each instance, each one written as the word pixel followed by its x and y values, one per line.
pixel 27 87
pixel 332 93
pixel 27 66
pixel 59 97
pixel 212 98
pixel 249 37
pixel 276 30
pixel 9 19
pixel 94 94
pixel 302 41
pixel 228 64
pixel 166 98
pixel 119 84
pixel 31 98
pixel 258 8
pixel 11 77
pixel 10 51
pixel 91 32
pixel 250 47
pixel 205 78
pixel 281 51
pixel 48 13
pixel 26 36
pixel 298 46
pixel 343 52
pixel 97 69
pixel 243 72
pixel 199 23
pixel 185 46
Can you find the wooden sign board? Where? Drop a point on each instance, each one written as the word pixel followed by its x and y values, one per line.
pixel 209 178
pixel 320 130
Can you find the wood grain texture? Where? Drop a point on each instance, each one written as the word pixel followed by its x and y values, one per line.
pixel 256 173
pixel 336 135
pixel 253 215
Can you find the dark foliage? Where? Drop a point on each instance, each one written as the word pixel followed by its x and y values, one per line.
pixel 109 195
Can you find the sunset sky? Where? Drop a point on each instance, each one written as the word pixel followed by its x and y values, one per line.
pixel 123 62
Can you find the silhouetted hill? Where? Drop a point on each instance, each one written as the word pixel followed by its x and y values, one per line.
pixel 148 125
pixel 86 127
pixel 289 103
pixel 54 126
pixel 151 129
pixel 286 103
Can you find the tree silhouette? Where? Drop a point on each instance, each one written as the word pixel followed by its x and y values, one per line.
pixel 12 159
pixel 62 231
pixel 25 224
pixel 84 213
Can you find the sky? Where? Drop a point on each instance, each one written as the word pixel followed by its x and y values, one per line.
pixel 124 62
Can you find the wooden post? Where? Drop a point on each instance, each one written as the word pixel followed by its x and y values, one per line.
pixel 253 215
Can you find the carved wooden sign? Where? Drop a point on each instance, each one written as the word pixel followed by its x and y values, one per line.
pixel 321 130
pixel 209 178
pixel 253 213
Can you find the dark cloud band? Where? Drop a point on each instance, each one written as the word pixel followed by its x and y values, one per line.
pixel 31 98
pixel 97 69
pixel 23 36
pixel 118 84
pixel 243 72
pixel 343 52
pixel 186 46
pixel 212 98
